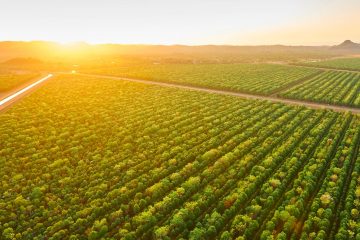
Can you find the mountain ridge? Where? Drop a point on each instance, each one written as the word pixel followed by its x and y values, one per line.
pixel 347 45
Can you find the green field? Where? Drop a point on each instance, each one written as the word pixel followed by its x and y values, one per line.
pixel 339 63
pixel 251 78
pixel 9 81
pixel 91 158
pixel 329 87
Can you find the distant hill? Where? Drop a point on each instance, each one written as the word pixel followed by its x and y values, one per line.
pixel 347 45
pixel 80 52
pixel 11 50
pixel 23 61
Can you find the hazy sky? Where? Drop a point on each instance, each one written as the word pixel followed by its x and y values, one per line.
pixel 238 22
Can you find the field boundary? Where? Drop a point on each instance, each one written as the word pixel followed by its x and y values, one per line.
pixel 295 83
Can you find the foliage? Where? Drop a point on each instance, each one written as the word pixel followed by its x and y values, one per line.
pixel 338 63
pixel 252 78
pixel 331 87
pixel 90 158
pixel 11 81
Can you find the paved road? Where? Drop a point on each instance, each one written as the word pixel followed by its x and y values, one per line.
pixel 237 94
pixel 12 98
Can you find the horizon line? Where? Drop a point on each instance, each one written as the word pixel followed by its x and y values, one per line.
pixel 168 45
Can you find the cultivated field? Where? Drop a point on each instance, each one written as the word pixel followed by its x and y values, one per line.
pixel 339 63
pixel 251 78
pixel 9 81
pixel 92 158
pixel 329 87
pixel 292 82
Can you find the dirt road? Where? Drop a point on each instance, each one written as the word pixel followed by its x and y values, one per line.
pixel 237 94
pixel 9 100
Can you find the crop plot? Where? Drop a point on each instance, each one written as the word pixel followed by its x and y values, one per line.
pixel 95 158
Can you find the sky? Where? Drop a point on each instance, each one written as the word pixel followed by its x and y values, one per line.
pixel 190 22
